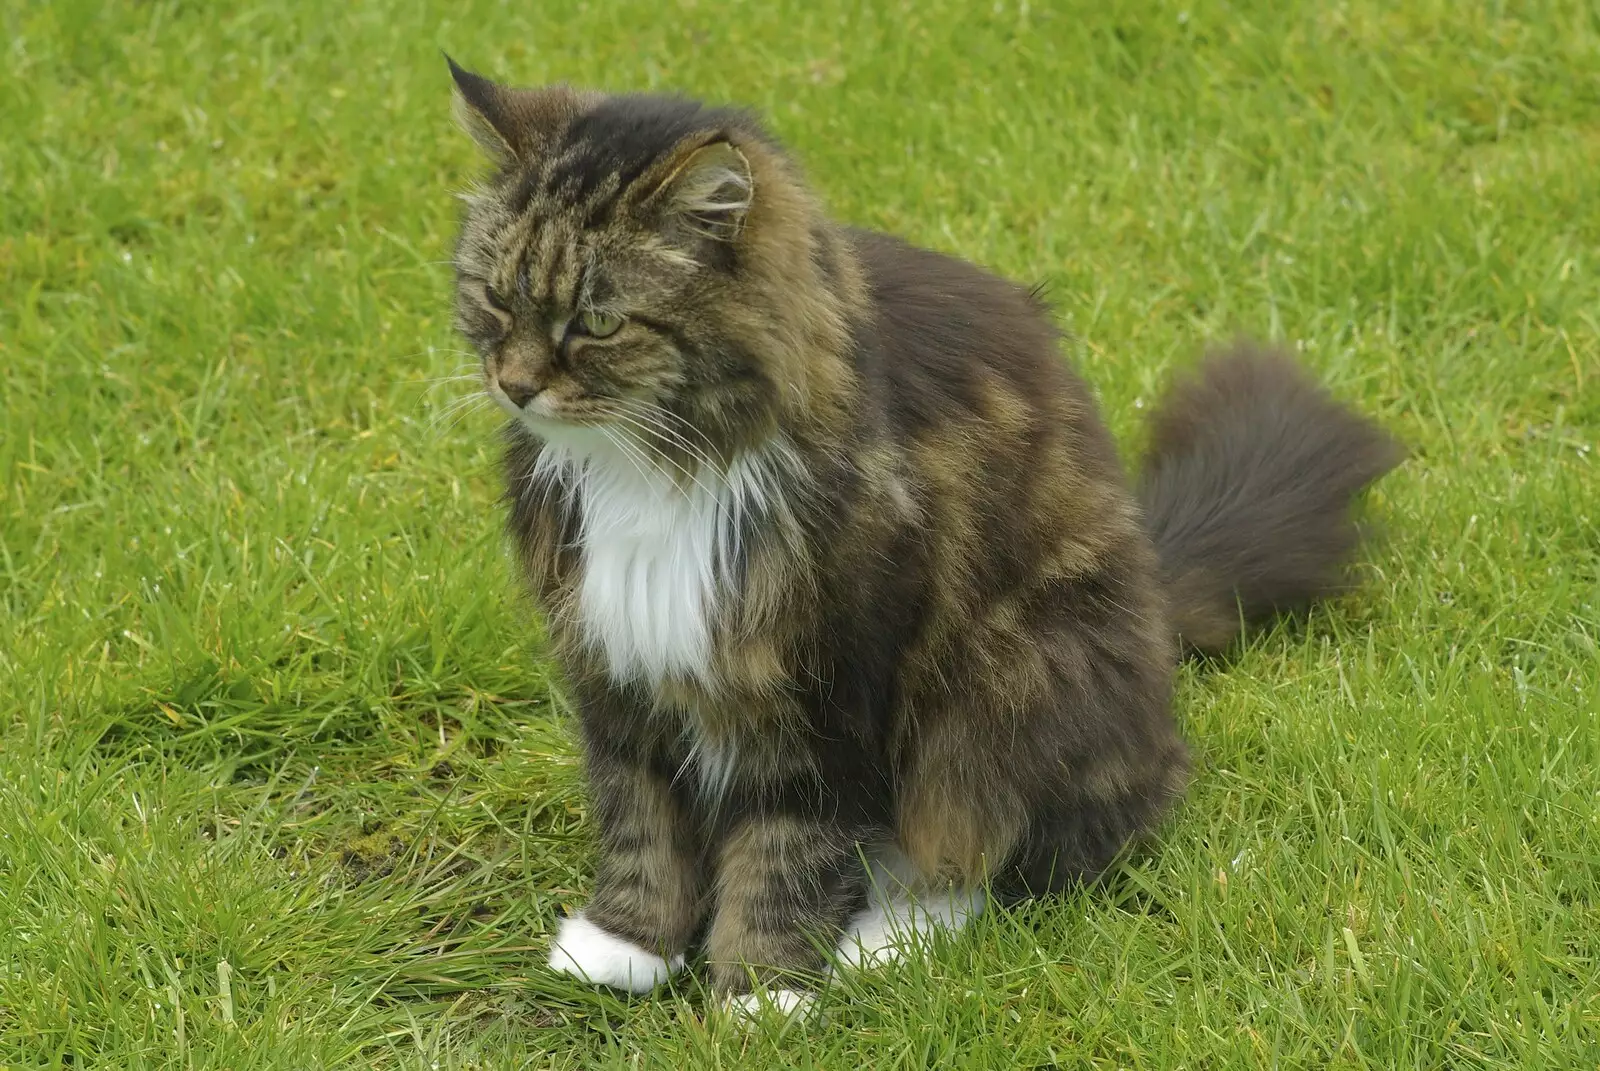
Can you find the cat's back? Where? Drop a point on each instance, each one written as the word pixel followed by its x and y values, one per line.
pixel 1010 475
pixel 951 349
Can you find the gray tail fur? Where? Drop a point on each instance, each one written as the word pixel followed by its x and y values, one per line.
pixel 1248 490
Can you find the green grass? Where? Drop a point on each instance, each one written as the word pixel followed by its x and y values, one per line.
pixel 282 779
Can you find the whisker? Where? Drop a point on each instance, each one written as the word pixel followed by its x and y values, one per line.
pixel 663 415
pixel 682 422
pixel 448 351
pixel 624 449
pixel 439 381
pixel 642 424
pixel 665 434
pixel 652 415
pixel 450 415
pixel 466 399
pixel 650 429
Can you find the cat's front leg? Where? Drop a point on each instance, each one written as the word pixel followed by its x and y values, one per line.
pixel 787 880
pixel 647 899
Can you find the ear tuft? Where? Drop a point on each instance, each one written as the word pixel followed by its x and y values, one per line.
pixel 711 191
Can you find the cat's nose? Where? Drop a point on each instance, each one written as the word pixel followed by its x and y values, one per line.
pixel 520 391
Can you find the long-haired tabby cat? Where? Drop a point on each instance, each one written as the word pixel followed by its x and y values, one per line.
pixel 837 558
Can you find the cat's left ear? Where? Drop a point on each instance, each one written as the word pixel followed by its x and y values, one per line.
pixel 708 193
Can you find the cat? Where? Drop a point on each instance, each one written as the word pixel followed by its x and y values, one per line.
pixel 864 625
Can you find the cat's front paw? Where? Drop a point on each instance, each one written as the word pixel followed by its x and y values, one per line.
pixel 893 925
pixel 769 1005
pixel 585 951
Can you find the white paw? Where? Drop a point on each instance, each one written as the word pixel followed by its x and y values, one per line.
pixel 870 939
pixel 585 951
pixel 898 919
pixel 779 1004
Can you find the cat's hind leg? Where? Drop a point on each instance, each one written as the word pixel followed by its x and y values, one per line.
pixel 1047 744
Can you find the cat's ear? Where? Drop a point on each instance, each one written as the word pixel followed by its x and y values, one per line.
pixel 511 124
pixel 485 113
pixel 708 193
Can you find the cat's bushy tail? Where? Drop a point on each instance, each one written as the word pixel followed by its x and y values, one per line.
pixel 1248 489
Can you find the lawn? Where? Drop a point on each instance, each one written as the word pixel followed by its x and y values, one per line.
pixel 284 779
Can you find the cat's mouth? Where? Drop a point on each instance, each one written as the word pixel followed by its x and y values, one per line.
pixel 531 406
pixel 548 410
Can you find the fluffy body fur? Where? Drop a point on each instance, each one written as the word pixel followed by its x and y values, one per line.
pixel 836 555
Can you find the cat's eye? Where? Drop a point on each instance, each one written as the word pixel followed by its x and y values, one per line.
pixel 599 324
pixel 498 309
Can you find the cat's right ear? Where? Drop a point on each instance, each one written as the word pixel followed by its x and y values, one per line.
pixel 485 112
pixel 512 124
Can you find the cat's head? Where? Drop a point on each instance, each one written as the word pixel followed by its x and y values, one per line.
pixel 641 262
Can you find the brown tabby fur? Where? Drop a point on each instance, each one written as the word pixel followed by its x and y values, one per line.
pixel 954 635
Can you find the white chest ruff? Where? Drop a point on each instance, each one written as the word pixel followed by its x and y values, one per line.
pixel 659 558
